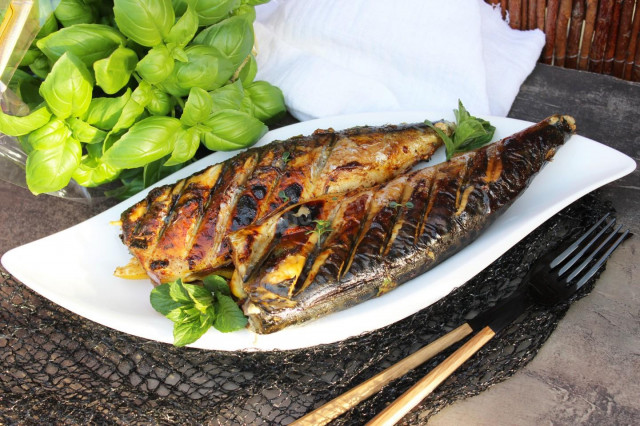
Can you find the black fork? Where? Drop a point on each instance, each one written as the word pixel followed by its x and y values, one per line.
pixel 552 279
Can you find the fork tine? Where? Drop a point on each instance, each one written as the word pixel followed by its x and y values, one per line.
pixel 593 254
pixel 604 257
pixel 562 256
pixel 579 255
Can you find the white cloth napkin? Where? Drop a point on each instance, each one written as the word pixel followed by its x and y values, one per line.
pixel 333 57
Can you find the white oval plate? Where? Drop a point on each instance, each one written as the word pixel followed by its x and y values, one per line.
pixel 74 268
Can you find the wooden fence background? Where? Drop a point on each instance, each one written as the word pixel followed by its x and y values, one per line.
pixel 600 36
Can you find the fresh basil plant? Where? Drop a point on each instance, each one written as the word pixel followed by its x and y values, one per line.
pixel 131 89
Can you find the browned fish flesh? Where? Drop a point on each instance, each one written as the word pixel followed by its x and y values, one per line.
pixel 332 252
pixel 179 230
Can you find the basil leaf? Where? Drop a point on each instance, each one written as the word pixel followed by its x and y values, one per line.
pixel 26 87
pixel 197 108
pixel 156 65
pixel 232 130
pixel 67 89
pixel 92 172
pixel 162 301
pixel 211 11
pixel 229 316
pixel 178 54
pixel 155 170
pixel 255 2
pixel 49 26
pixel 131 184
pixel 206 69
pixel 146 141
pixel 29 58
pixel 12 125
pixel 89 42
pixel 264 101
pixel 51 135
pixel 40 67
pixel 160 102
pixel 248 71
pixel 185 147
pixel 104 112
pixel 85 132
pixel 183 30
pixel 233 37
pixel 229 96
pixel 72 12
pixel 178 292
pixel 190 330
pixel 147 22
pixel 201 297
pixel 50 170
pixel 113 73
pixel 217 285
pixel 470 132
pixel 466 130
pixel 179 6
pixel 94 150
pixel 134 108
pixel 245 11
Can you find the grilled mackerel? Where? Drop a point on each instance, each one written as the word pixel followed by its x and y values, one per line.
pixel 333 252
pixel 178 231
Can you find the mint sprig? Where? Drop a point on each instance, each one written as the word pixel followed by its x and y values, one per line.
pixel 470 132
pixel 193 309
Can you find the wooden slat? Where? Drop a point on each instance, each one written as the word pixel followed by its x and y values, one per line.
pixel 605 12
pixel 564 13
pixel 575 32
pixel 550 30
pixel 633 43
pixel 531 18
pixel 635 72
pixel 524 13
pixel 612 38
pixel 515 14
pixel 624 36
pixel 589 25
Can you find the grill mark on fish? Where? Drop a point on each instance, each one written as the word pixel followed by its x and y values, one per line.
pixel 179 234
pixel 453 216
pixel 209 239
pixel 368 249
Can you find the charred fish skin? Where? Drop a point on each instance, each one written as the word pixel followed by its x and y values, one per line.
pixel 178 231
pixel 439 210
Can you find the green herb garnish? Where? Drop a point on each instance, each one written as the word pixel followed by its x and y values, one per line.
pixel 286 156
pixel 470 132
pixel 194 309
pixel 283 196
pixel 395 205
pixel 322 227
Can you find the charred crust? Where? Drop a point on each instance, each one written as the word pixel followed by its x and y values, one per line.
pixel 159 264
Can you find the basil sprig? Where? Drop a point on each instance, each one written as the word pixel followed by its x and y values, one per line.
pixel 470 132
pixel 194 308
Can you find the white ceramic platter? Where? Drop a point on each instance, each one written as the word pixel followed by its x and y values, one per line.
pixel 74 268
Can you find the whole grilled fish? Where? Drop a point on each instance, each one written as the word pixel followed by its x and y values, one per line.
pixel 178 231
pixel 333 252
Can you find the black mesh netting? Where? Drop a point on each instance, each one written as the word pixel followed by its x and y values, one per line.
pixel 60 368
